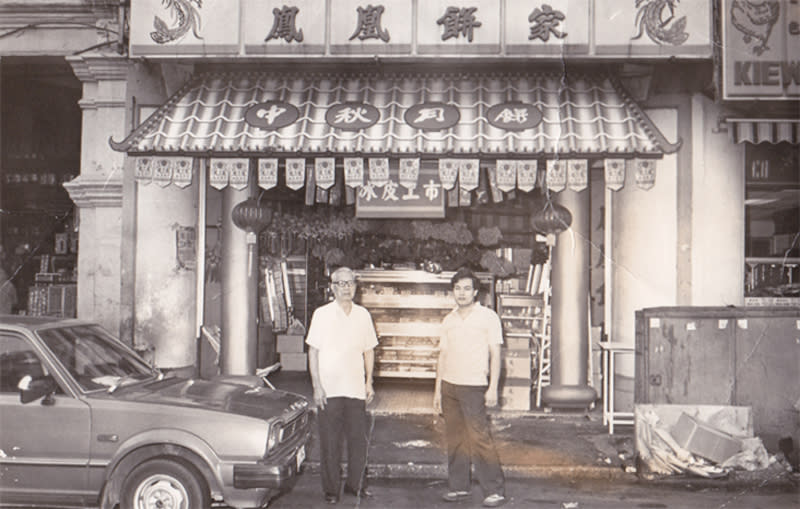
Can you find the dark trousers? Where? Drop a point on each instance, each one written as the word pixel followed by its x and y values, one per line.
pixel 469 437
pixel 343 417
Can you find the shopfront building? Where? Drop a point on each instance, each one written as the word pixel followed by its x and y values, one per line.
pixel 428 115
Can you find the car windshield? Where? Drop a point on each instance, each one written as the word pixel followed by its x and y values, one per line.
pixel 94 358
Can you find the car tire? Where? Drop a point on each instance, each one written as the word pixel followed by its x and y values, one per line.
pixel 164 483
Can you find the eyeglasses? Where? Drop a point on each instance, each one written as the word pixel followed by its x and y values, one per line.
pixel 344 284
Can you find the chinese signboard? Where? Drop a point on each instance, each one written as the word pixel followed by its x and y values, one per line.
pixel 491 28
pixel 761 49
pixel 401 196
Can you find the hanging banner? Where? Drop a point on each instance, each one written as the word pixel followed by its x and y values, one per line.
pixel 497 193
pixel 468 171
pixel 448 172
pixel 556 174
pixel 378 171
pixel 325 168
pixel 218 174
pixel 506 171
pixel 182 172
pixel 267 173
pixel 354 171
pixel 393 201
pixel 526 175
pixel 578 174
pixel 295 172
pixel 144 170
pixel 615 173
pixel 239 173
pixel 645 173
pixel 162 171
pixel 409 173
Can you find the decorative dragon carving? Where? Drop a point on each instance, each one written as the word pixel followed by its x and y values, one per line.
pixel 186 13
pixel 755 20
pixel 650 20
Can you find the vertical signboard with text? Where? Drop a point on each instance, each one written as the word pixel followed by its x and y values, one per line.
pixel 761 49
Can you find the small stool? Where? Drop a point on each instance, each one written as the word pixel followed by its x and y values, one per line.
pixel 611 416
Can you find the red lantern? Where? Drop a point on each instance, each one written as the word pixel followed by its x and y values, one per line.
pixel 251 216
pixel 552 219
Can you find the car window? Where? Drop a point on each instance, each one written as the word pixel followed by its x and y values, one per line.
pixel 17 359
pixel 94 358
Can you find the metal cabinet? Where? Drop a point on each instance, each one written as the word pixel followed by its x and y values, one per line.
pixel 407 307
pixel 723 356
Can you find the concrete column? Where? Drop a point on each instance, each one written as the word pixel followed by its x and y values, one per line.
pixel 570 308
pixel 97 191
pixel 238 349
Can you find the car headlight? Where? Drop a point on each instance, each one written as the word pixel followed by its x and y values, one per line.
pixel 274 435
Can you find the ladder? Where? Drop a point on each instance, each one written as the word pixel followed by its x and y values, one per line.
pixel 543 371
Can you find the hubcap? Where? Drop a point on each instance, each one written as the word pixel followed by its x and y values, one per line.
pixel 161 492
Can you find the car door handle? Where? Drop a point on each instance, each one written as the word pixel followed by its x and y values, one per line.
pixel 106 437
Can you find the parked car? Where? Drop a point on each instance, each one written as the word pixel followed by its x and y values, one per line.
pixel 85 421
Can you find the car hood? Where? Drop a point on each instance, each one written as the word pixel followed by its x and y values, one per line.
pixel 258 402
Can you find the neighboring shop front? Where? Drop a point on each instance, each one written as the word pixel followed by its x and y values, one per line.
pixel 418 135
pixel 761 89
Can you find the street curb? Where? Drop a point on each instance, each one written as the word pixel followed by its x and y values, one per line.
pixel 412 470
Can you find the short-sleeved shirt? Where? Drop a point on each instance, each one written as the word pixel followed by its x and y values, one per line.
pixel 466 342
pixel 342 340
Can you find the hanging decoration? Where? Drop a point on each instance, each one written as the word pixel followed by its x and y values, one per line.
pixel 239 173
pixel 182 171
pixel 144 170
pixel 219 173
pixel 556 174
pixel 325 169
pixel 552 219
pixel 448 172
pixel 506 174
pixel 267 173
pixel 578 174
pixel 354 171
pixel 468 170
pixel 645 173
pixel 615 173
pixel 379 171
pixel 295 172
pixel 252 217
pixel 162 171
pixel 409 172
pixel 526 175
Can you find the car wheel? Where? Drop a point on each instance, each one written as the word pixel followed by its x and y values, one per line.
pixel 164 484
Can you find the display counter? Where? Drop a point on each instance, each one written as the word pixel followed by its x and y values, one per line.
pixel 407 307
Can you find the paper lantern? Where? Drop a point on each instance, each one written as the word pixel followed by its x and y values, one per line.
pixel 552 219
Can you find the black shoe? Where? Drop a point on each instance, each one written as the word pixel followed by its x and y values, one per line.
pixel 362 493
pixel 332 499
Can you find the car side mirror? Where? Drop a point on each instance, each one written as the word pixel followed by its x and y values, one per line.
pixel 31 389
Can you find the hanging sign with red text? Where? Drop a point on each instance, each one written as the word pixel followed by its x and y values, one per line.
pixel 393 200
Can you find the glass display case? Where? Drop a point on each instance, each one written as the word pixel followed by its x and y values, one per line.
pixel 407 307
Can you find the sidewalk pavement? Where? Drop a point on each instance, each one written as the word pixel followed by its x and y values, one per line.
pixel 536 444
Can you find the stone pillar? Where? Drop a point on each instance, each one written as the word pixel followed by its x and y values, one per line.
pixel 97 191
pixel 570 307
pixel 238 349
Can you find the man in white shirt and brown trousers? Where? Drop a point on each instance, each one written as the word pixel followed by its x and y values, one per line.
pixel 469 352
pixel 341 340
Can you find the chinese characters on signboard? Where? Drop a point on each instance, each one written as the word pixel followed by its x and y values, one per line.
pixel 397 27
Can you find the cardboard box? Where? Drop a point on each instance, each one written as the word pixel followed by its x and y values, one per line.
pixel 515 394
pixel 517 363
pixel 705 441
pixel 517 342
pixel 294 361
pixel 289 343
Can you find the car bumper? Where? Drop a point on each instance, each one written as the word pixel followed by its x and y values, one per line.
pixel 274 473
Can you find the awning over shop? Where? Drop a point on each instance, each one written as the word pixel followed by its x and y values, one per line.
pixel 536 114
pixel 764 130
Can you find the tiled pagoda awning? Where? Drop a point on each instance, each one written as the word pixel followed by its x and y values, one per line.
pixel 582 115
pixel 764 130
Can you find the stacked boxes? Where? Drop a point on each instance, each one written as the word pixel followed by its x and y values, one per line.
pixel 291 352
pixel 519 315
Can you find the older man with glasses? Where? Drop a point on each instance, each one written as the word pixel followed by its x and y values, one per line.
pixel 341 340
